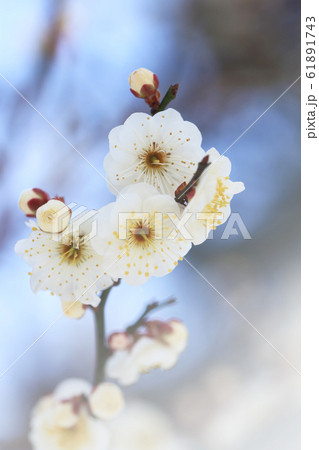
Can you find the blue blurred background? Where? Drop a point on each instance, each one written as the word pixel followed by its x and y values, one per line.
pixel 232 59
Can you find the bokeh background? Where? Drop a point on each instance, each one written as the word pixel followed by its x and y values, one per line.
pixel 230 390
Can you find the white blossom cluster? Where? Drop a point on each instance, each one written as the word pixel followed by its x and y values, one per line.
pixel 159 346
pixel 141 426
pixel 145 232
pixel 74 416
pixel 169 194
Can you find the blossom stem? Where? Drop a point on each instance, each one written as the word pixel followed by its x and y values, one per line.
pixel 168 97
pixel 151 307
pixel 102 351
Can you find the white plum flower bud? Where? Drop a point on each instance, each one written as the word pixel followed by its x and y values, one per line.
pixel 143 83
pixel 31 199
pixel 120 341
pixel 106 401
pixel 177 338
pixel 54 216
pixel 73 309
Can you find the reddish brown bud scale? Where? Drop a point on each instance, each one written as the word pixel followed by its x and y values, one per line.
pixel 147 90
pixel 190 194
pixel 32 199
pixel 155 81
pixel 156 328
pixel 186 193
pixel 135 93
pixel 204 161
pixel 180 188
pixel 34 204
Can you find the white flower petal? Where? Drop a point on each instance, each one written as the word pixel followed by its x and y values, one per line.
pixel 141 244
pixel 74 310
pixel 106 401
pixel 72 387
pixel 121 367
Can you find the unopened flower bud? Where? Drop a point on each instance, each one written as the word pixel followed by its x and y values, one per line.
pixel 143 83
pixel 178 336
pixel 120 341
pixel 72 309
pixel 156 328
pixel 106 401
pixel 54 216
pixel 31 199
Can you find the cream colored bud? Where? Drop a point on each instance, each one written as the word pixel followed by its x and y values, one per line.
pixel 106 401
pixel 143 83
pixel 54 216
pixel 31 199
pixel 120 341
pixel 64 416
pixel 73 309
pixel 178 337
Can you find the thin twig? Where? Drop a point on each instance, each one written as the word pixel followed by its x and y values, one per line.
pixel 181 196
pixel 149 308
pixel 168 97
pixel 102 350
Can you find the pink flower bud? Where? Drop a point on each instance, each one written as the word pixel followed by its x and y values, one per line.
pixel 31 199
pixel 120 341
pixel 143 83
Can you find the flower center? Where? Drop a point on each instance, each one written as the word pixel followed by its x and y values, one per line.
pixel 140 233
pixel 153 157
pixel 72 250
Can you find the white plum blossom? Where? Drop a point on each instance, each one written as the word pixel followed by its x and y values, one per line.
pixel 65 264
pixel 48 434
pixel 54 216
pixel 161 150
pixel 62 420
pixel 210 205
pixel 156 218
pixel 137 234
pixel 106 401
pixel 148 353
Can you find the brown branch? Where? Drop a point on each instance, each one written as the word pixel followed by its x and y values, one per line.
pixel 181 196
pixel 149 308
